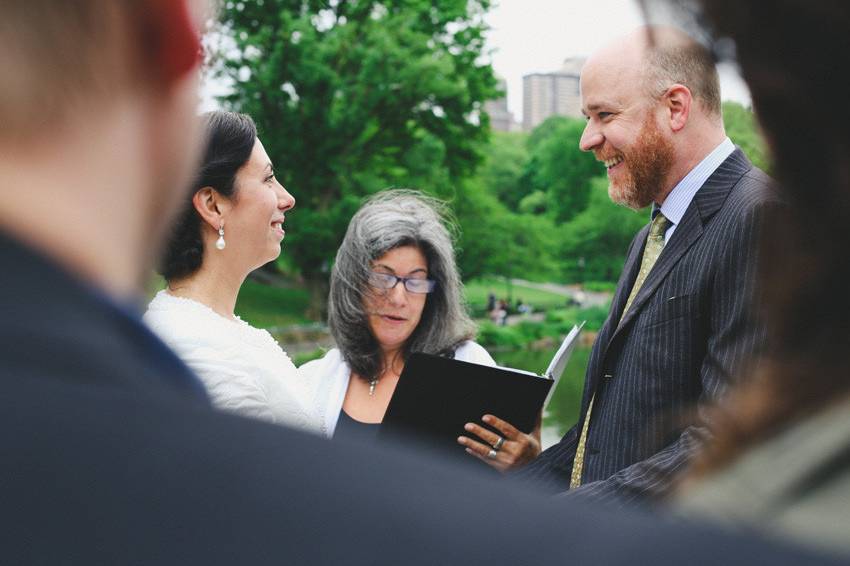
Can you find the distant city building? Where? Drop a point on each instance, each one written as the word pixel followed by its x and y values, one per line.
pixel 551 94
pixel 501 119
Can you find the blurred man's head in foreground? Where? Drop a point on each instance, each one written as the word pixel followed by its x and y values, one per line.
pixel 99 129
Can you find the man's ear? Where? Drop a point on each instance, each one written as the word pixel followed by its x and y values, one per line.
pixel 211 206
pixel 170 38
pixel 678 101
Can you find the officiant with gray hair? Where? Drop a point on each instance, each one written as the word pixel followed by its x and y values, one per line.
pixel 395 290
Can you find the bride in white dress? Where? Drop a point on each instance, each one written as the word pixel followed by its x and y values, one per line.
pixel 232 224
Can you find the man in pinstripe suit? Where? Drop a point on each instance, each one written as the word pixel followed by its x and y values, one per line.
pixel 680 325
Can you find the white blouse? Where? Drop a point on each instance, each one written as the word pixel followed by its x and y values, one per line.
pixel 243 368
pixel 329 375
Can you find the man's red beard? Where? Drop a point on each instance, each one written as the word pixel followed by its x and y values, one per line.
pixel 647 165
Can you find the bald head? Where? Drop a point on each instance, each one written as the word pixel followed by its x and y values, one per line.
pixel 652 103
pixel 657 57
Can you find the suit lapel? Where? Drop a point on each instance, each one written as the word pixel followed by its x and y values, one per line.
pixel 630 271
pixel 621 295
pixel 688 232
pixel 707 201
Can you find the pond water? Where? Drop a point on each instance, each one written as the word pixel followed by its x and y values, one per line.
pixel 563 410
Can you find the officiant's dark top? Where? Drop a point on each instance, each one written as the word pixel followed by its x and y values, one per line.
pixel 348 428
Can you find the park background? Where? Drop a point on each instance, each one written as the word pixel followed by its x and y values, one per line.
pixel 354 97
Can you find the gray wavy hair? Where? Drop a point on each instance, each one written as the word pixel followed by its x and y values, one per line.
pixel 386 221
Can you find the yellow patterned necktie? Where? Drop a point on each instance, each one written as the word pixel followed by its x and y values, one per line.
pixel 654 245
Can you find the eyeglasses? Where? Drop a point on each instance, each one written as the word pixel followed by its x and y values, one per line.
pixel 386 282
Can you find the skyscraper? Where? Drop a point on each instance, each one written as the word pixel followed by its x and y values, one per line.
pixel 501 119
pixel 552 94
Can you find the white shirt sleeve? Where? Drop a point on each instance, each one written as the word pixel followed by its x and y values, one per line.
pixel 328 379
pixel 230 389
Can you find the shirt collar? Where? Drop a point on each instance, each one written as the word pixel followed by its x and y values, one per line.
pixel 680 197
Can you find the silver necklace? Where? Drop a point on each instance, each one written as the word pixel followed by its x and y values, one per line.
pixel 374 381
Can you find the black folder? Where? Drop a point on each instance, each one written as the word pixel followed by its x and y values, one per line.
pixel 436 396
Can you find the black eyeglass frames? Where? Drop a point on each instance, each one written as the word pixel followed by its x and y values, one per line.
pixel 387 281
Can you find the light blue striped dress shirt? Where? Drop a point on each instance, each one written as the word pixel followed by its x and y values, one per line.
pixel 677 202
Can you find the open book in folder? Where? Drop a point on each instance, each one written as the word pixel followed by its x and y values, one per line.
pixel 560 359
pixel 435 396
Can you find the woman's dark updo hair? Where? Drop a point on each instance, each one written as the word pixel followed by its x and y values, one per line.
pixel 230 141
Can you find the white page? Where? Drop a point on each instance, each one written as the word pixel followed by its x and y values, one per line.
pixel 559 362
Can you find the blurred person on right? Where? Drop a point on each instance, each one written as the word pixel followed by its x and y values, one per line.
pixel 781 458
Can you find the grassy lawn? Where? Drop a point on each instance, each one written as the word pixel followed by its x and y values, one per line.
pixel 261 305
pixel 265 306
pixel 478 289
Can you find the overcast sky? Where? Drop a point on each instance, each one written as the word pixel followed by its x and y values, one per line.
pixel 530 36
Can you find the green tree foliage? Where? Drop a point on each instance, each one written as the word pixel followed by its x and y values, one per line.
pixel 599 237
pixel 536 203
pixel 556 174
pixel 533 211
pixel 502 168
pixel 353 96
pixel 742 128
pixel 495 240
pixel 531 181
pixel 479 215
pixel 561 169
pixel 560 195
pixel 544 131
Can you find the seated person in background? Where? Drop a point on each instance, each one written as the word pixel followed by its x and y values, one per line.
pixel 499 313
pixel 523 308
pixel 231 224
pixel 395 290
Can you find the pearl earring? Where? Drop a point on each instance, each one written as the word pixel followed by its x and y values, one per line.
pixel 220 243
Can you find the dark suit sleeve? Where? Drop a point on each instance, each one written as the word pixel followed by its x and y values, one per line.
pixel 734 338
pixel 552 469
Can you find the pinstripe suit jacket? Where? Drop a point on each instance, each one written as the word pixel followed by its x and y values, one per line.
pixel 689 330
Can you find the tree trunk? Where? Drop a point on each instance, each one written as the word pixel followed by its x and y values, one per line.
pixel 317 284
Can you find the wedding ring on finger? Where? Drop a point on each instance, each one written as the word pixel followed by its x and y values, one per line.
pixel 500 441
pixel 491 454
